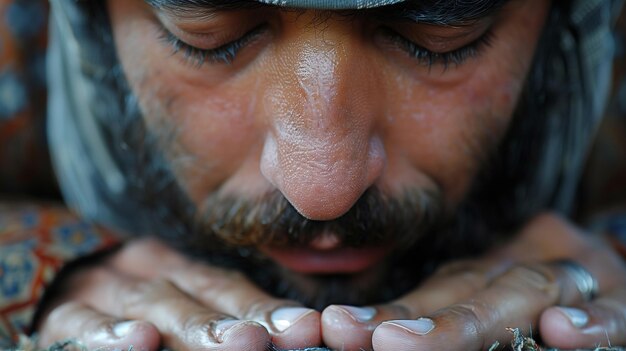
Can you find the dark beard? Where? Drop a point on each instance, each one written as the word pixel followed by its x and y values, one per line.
pixel 226 231
pixel 231 229
pixel 414 258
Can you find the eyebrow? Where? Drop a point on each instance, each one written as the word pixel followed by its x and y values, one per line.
pixel 437 12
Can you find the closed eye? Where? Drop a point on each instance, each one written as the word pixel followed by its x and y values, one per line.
pixel 224 54
pixel 430 58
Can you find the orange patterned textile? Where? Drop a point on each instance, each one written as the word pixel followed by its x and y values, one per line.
pixel 35 243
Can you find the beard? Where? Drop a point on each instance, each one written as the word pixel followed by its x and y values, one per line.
pixel 227 232
pixel 233 228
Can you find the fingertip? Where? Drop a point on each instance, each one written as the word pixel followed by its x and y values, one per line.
pixel 245 335
pixel 94 330
pixel 124 335
pixel 562 326
pixel 296 328
pixel 139 335
pixel 348 327
pixel 405 335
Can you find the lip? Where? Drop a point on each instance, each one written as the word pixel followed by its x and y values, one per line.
pixel 333 261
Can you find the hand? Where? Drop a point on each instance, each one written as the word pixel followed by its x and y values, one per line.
pixel 147 296
pixel 467 305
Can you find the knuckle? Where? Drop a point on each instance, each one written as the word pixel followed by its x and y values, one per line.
pixel 143 293
pixel 256 308
pixel 206 280
pixel 63 311
pixel 197 323
pixel 149 288
pixel 474 318
pixel 537 279
pixel 471 280
pixel 210 278
pixel 202 331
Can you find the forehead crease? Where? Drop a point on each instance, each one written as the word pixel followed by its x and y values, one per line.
pixel 200 7
pixel 444 12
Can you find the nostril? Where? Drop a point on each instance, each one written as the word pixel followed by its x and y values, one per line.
pixel 376 159
pixel 269 161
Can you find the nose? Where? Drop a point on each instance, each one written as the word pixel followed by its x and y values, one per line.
pixel 322 149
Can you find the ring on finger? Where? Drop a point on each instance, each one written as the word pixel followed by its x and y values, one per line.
pixel 585 282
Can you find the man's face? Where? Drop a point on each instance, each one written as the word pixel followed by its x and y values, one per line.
pixel 319 108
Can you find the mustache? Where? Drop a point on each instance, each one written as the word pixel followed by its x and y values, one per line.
pixel 271 220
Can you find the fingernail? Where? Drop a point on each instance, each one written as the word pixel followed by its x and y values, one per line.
pixel 285 317
pixel 361 314
pixel 221 327
pixel 577 317
pixel 421 326
pixel 122 329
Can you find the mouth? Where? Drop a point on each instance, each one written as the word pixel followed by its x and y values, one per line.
pixel 325 255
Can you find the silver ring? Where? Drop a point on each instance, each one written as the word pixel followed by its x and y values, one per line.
pixel 585 282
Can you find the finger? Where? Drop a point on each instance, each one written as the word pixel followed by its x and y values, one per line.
pixel 290 325
pixel 515 299
pixel 350 327
pixel 95 330
pixel 601 322
pixel 184 324
pixel 226 291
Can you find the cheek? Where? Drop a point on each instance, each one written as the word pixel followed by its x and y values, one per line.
pixel 447 135
pixel 205 129
pixel 447 130
pixel 215 134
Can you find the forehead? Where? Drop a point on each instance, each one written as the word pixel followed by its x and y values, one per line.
pixel 442 12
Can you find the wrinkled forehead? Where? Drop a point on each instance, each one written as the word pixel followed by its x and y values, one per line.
pixel 331 4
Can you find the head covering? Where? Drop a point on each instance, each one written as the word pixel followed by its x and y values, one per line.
pixel 332 4
pixel 90 107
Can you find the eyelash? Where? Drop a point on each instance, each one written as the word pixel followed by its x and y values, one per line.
pixel 430 58
pixel 224 54
pixel 227 52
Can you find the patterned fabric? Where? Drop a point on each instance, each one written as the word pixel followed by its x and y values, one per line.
pixel 35 243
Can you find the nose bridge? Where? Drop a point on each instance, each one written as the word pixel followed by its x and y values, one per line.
pixel 321 76
pixel 321 151
pixel 329 116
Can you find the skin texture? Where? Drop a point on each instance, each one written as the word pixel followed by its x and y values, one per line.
pixel 323 111
pixel 285 115
pixel 179 303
